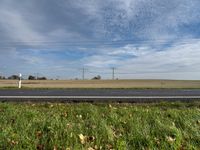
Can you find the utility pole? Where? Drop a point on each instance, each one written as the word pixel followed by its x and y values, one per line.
pixel 113 73
pixel 83 73
pixel 57 77
pixel 37 75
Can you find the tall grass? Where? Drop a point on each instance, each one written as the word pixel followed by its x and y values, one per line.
pixel 99 126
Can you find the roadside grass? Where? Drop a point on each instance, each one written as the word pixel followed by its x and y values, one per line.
pixel 100 126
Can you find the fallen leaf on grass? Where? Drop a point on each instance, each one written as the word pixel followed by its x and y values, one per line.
pixel 85 139
pixel 39 134
pixel 109 146
pixel 40 147
pixel 94 127
pixel 95 147
pixel 114 108
pixel 82 138
pixel 157 141
pixel 55 148
pixel 69 125
pixel 13 142
pixel 64 114
pixel 170 139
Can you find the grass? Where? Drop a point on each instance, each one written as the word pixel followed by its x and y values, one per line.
pixel 99 126
pixel 122 84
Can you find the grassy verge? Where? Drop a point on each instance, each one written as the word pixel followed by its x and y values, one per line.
pixel 100 126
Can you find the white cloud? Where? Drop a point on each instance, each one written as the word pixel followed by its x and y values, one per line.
pixel 17 27
pixel 172 62
pixel 130 50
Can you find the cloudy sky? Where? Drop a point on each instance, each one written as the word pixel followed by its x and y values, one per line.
pixel 151 39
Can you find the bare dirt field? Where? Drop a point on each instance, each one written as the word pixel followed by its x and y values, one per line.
pixel 102 83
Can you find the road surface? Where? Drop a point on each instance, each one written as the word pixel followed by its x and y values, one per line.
pixel 100 95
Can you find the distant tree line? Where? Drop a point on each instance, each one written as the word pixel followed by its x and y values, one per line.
pixel 13 77
pixel 2 77
pixel 16 77
pixel 30 77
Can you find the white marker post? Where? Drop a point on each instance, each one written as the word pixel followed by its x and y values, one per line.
pixel 20 81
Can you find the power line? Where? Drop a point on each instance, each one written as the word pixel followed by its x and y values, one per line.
pixel 91 42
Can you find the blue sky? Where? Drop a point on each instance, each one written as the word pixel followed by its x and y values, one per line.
pixel 147 39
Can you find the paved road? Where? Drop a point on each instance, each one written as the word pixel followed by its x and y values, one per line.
pixel 103 95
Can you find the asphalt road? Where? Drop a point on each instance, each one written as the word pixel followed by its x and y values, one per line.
pixel 102 95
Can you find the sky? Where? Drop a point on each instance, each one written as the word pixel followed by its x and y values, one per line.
pixel 142 39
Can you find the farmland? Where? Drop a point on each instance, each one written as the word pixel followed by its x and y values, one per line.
pixel 102 84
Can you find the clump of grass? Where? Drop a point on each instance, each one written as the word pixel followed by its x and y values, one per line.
pixel 99 126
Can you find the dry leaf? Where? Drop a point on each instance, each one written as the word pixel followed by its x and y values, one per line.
pixel 14 142
pixel 85 139
pixel 55 148
pixel 82 138
pixel 40 147
pixel 95 147
pixel 39 134
pixel 109 146
pixel 64 114
pixel 170 139
pixel 157 141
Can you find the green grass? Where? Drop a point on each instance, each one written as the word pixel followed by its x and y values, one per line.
pixel 99 126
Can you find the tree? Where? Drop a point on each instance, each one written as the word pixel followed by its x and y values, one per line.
pixel 97 78
pixel 2 77
pixel 42 78
pixel 31 77
pixel 14 77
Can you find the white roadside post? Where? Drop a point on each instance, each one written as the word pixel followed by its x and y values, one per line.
pixel 20 81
